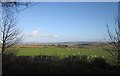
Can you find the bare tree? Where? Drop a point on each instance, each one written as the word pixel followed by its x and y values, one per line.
pixel 114 39
pixel 9 33
pixel 114 42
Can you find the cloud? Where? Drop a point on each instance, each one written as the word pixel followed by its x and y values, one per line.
pixel 42 35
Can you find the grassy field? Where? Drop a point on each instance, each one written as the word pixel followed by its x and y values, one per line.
pixel 91 52
pixel 55 61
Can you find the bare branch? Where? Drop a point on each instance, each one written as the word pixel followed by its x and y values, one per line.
pixel 114 41
pixel 10 34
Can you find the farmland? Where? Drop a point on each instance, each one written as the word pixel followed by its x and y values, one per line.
pixel 64 52
pixel 59 60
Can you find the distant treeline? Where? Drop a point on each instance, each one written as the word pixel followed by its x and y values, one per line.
pixel 55 45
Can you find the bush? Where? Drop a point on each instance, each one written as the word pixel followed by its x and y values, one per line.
pixel 53 65
pixel 99 62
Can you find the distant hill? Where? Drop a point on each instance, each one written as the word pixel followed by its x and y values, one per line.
pixel 63 43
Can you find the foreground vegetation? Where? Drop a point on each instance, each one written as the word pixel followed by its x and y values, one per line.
pixel 49 60
pixel 54 65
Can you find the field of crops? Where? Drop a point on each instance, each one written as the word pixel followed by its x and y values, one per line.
pixel 91 52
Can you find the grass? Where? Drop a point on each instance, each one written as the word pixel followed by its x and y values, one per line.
pixel 56 60
pixel 91 52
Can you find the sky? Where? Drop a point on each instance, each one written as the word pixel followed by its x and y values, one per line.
pixel 67 21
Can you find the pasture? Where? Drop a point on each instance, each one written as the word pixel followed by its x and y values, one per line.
pixel 90 52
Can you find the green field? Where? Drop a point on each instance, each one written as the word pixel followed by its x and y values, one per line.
pixel 91 52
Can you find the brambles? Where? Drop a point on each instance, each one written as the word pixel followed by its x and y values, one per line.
pixel 53 65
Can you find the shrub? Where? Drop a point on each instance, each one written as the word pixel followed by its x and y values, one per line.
pixel 53 65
